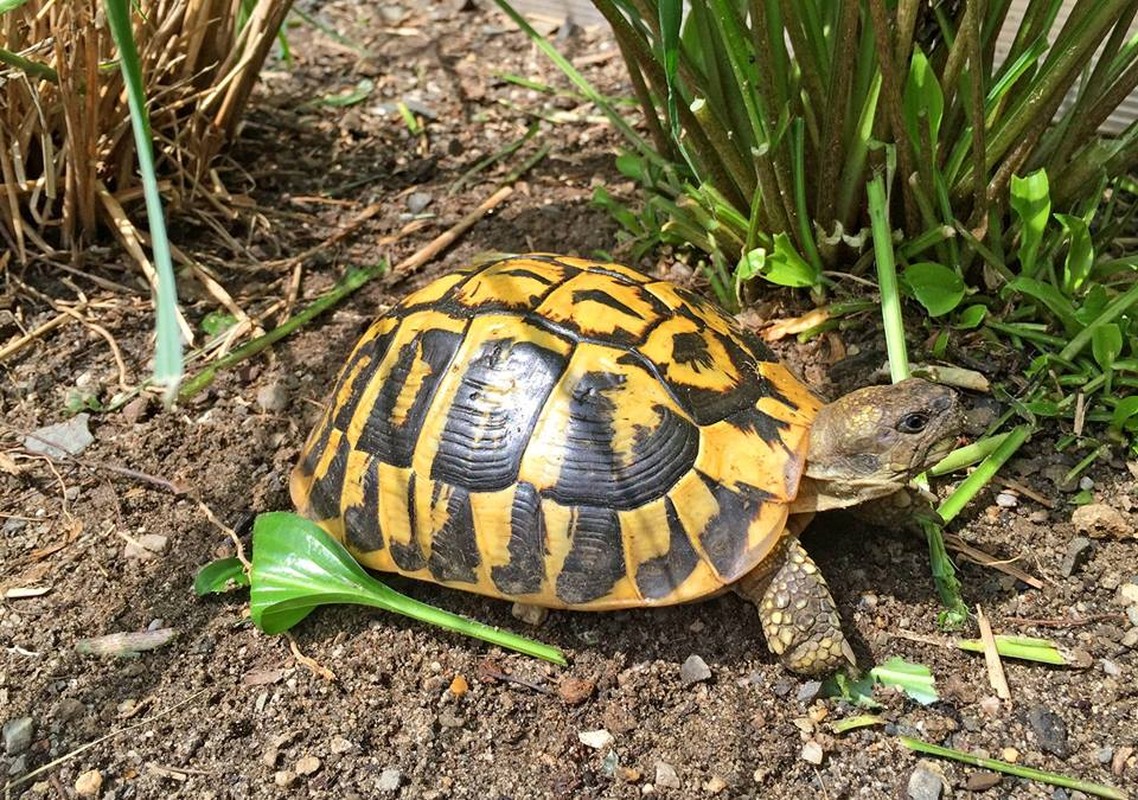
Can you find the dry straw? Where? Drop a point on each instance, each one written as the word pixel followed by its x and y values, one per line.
pixel 66 152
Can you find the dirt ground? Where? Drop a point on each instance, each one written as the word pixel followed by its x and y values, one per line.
pixel 222 711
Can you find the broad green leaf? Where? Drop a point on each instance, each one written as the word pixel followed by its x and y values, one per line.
pixel 923 102
pixel 971 317
pixel 1106 344
pixel 1031 201
pixel 1080 252
pixel 631 166
pixel 1093 304
pixel 1051 297
pixel 784 266
pixel 297 566
pixel 220 576
pixel 915 680
pixel 670 14
pixel 1124 412
pixel 216 322
pixel 936 287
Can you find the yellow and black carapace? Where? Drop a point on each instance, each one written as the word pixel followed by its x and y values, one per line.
pixel 573 434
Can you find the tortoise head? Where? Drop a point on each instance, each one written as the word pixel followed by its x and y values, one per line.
pixel 870 442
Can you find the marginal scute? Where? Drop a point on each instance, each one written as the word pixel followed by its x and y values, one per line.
pixel 563 432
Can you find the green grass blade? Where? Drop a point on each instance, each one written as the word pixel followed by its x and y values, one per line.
pixel 1025 648
pixel 168 364
pixel 297 566
pixel 979 478
pixel 887 280
pixel 1029 773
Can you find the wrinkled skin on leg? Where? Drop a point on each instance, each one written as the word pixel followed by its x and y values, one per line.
pixel 798 614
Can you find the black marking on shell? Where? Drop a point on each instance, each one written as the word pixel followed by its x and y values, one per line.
pixel 604 298
pixel 660 576
pixel 525 572
pixel 454 550
pixel 769 429
pixel 691 348
pixel 409 557
pixel 596 556
pixel 362 527
pixel 324 497
pixel 756 346
pixel 593 474
pixel 522 272
pixel 374 350
pixel 708 406
pixel 493 413
pixel 381 437
pixel 724 540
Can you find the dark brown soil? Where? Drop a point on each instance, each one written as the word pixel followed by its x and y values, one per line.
pixel 224 711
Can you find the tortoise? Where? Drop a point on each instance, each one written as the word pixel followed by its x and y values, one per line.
pixel 574 434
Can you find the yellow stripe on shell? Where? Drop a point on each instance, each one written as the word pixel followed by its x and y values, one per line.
pixel 735 457
pixel 492 514
pixel 668 294
pixel 595 318
pixel 805 402
pixel 720 374
pixel 434 291
pixel 502 283
pixel 394 517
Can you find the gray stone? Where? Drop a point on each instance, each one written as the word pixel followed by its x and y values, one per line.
pixel 808 691
pixel 694 670
pixel 1007 500
pixel 924 784
pixel 389 781
pixel 666 776
pixel 273 397
pixel 1050 730
pixel 1104 754
pixel 1130 638
pixel 418 201
pixel 68 438
pixel 1077 551
pixel 17 735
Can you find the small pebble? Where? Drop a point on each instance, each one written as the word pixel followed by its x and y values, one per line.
pixel 1077 551
pixel 283 778
pixel 340 745
pixel 575 691
pixel 811 753
pixel 1104 754
pixel 666 776
pixel 924 784
pixel 389 780
pixel 309 765
pixel 69 438
pixel 694 670
pixel 714 785
pixel 1050 730
pixel 1007 500
pixel 609 764
pixel 1130 638
pixel 17 735
pixel 89 783
pixel 1132 615
pixel 448 719
pixel 1110 668
pixel 1128 593
pixel 1099 519
pixel 597 739
pixel 808 691
pixel 273 397
pixel 417 201
pixel 981 781
pixel 1010 755
pixel 1086 484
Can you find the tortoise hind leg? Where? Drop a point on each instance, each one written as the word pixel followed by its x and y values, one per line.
pixel 799 616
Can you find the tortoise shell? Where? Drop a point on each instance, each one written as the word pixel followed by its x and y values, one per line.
pixel 562 432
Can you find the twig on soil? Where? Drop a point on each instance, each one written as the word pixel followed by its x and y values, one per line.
pixel 996 676
pixel 502 676
pixel 1066 622
pixel 450 236
pixel 958 545
pixel 228 531
pixel 347 230
pixel 31 336
pixel 311 664
pixel 13 783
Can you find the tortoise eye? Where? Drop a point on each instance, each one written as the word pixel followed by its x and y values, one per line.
pixel 913 423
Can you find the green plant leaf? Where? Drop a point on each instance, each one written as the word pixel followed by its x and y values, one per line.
pixel 923 102
pixel 1124 412
pixel 216 322
pixel 1031 201
pixel 1106 344
pixel 936 287
pixel 915 680
pixel 971 317
pixel 220 576
pixel 1080 253
pixel 355 96
pixel 784 266
pixel 1051 297
pixel 297 566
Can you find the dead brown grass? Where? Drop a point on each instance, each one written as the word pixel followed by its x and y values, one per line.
pixel 67 160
